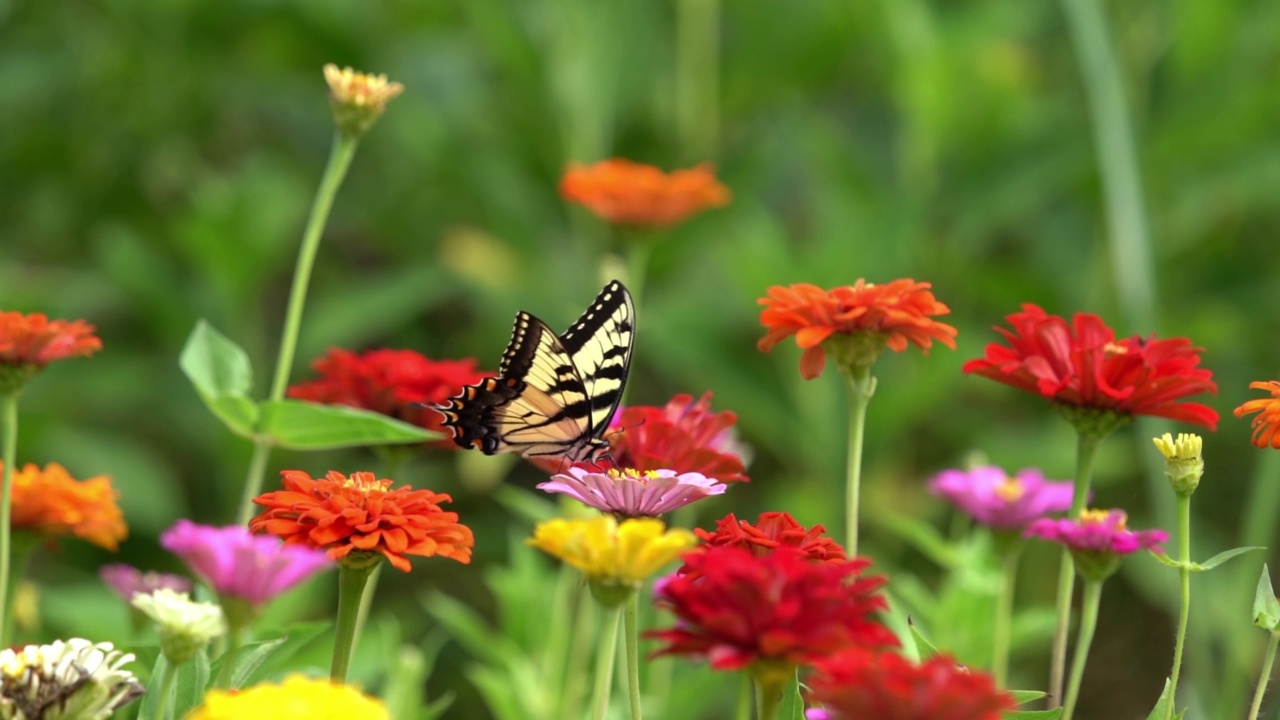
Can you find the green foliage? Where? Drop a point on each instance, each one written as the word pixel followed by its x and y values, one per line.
pixel 1266 608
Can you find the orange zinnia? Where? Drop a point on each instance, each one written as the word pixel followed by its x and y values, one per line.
pixel 341 514
pixel 628 193
pixel 1268 420
pixel 897 311
pixel 36 340
pixel 51 502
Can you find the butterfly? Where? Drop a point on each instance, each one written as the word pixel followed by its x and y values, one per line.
pixel 554 395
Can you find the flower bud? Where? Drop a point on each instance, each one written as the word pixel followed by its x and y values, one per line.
pixel 1183 463
pixel 358 99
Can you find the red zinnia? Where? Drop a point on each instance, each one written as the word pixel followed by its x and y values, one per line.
pixel 772 531
pixel 897 311
pixel 29 342
pixel 736 609
pixel 343 514
pixel 1084 365
pixel 857 684
pixel 684 436
pixel 390 382
pixel 1268 420
pixel 627 193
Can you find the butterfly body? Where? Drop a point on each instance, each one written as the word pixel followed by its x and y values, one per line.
pixel 554 394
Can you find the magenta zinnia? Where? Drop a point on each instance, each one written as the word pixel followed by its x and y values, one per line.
pixel 237 564
pixel 1000 501
pixel 630 493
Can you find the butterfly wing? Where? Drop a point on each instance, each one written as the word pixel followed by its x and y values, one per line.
pixel 554 395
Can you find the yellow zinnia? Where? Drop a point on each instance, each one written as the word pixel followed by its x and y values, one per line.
pixel 298 698
pixel 610 553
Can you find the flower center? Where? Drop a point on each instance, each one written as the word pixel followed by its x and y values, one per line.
pixel 1100 517
pixel 1114 348
pixel 1010 490
pixel 632 474
pixel 366 483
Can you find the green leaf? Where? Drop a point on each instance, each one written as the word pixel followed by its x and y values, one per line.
pixel 924 648
pixel 1165 559
pixel 250 657
pixel 219 369
pixel 1022 697
pixel 1158 712
pixel 150 701
pixel 792 707
pixel 1053 714
pixel 1224 556
pixel 1266 609
pixel 193 679
pixel 307 426
pixel 296 637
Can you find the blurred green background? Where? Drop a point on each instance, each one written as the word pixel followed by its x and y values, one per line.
pixel 157 160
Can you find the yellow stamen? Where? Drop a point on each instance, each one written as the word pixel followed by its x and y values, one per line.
pixel 1010 490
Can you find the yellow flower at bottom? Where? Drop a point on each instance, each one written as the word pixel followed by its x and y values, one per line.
pixel 607 552
pixel 298 698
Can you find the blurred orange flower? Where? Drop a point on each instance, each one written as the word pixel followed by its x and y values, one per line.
pixel 1268 420
pixel 627 193
pixel 897 311
pixel 36 340
pixel 51 502
pixel 362 514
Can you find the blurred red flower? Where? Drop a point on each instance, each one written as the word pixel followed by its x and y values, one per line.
pixel 897 311
pixel 36 340
pixel 772 531
pixel 628 193
pixel 390 382
pixel 1084 365
pixel 735 608
pixel 1268 420
pixel 362 515
pixel 684 436
pixel 857 684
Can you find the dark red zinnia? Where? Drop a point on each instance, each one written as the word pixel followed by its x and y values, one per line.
pixel 772 531
pixel 684 435
pixel 735 608
pixel 859 684
pixel 389 382
pixel 1083 364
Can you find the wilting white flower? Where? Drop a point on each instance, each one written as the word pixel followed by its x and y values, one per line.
pixel 65 680
pixel 185 627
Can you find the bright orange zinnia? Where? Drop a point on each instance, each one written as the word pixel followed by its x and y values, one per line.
pixel 628 193
pixel 1267 423
pixel 899 312
pixel 362 514
pixel 29 342
pixel 51 502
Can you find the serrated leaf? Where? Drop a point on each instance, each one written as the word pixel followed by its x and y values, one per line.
pixel 1022 697
pixel 308 426
pixel 1053 714
pixel 220 372
pixel 1224 556
pixel 1266 609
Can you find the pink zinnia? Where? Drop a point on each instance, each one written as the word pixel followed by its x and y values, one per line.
pixel 238 564
pixel 630 493
pixel 1097 540
pixel 1000 501
pixel 127 580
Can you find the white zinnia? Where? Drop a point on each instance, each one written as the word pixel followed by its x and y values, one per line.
pixel 185 627
pixel 65 680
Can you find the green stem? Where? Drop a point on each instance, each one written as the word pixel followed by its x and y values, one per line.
pixel 344 148
pixel 697 83
pixel 580 654
pixel 1004 615
pixel 167 682
pixel 1130 244
pixel 234 638
pixel 745 692
pixel 632 634
pixel 352 584
pixel 1086 451
pixel 768 698
pixel 1184 574
pixel 1264 677
pixel 1088 623
pixel 9 413
pixel 604 662
pixel 557 648
pixel 861 387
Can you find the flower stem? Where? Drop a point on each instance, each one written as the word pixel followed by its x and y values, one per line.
pixel 604 662
pixel 632 634
pixel 1088 622
pixel 746 689
pixel 234 636
pixel 768 696
pixel 167 682
pixel 1086 451
pixel 344 148
pixel 558 635
pixel 1264 677
pixel 861 387
pixel 697 77
pixel 1004 615
pixel 9 418
pixel 352 582
pixel 1184 574
pixel 585 626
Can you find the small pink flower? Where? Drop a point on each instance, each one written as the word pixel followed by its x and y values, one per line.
pixel 126 581
pixel 238 564
pixel 631 493
pixel 1099 531
pixel 1000 501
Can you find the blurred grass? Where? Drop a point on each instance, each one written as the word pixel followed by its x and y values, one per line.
pixel 156 161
